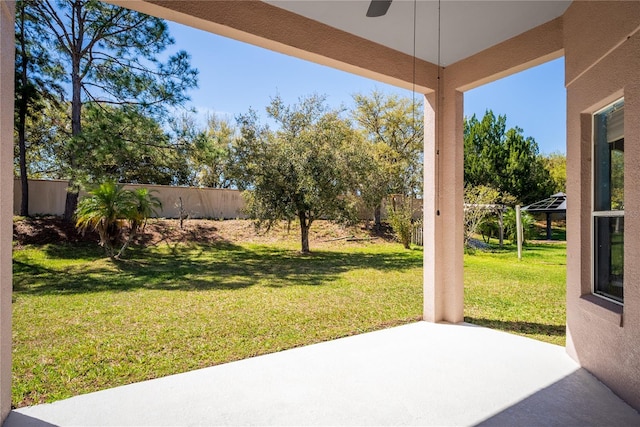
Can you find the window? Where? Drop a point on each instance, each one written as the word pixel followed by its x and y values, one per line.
pixel 608 202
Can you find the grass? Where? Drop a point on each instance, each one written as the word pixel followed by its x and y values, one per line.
pixel 525 297
pixel 558 230
pixel 83 323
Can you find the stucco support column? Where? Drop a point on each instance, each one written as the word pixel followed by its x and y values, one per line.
pixel 443 207
pixel 6 199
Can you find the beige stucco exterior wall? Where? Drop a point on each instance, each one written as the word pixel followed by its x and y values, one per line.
pixel 6 194
pixel 602 56
pixel 443 206
pixel 534 47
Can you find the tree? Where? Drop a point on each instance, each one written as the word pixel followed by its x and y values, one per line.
pixel 401 219
pixel 309 168
pixel 119 143
pixel 527 223
pixel 206 150
pixel 504 159
pixel 394 127
pixel 210 153
pixel 556 164
pixel 477 209
pixel 45 137
pixel 108 207
pixel 124 144
pixel 111 57
pixel 144 205
pixel 36 73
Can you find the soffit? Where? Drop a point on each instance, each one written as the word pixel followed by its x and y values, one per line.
pixel 464 28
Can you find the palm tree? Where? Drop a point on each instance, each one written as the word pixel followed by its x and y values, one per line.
pixel 108 207
pixel 144 205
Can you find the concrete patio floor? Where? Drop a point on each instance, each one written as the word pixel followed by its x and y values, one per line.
pixel 417 374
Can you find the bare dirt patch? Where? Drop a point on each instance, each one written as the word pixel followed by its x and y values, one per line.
pixel 45 230
pixel 49 229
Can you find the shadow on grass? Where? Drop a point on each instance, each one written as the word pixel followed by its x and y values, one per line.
pixel 558 233
pixel 519 327
pixel 535 249
pixel 221 265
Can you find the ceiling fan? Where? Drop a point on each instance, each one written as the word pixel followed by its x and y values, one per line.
pixel 378 8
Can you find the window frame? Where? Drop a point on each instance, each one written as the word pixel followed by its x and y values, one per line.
pixel 594 214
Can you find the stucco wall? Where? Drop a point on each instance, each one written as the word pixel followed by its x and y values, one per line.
pixel 602 56
pixel 6 190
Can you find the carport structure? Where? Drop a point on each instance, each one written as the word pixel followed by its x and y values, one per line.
pixel 453 47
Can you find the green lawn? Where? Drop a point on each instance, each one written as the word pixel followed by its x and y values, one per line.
pixel 83 323
pixel 525 297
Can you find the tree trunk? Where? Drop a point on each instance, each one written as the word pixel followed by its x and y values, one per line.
pixel 377 217
pixel 73 190
pixel 24 186
pixel 22 119
pixel 304 233
pixel 70 203
pixel 407 243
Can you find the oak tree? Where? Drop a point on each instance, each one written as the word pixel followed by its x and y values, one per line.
pixel 394 128
pixel 308 168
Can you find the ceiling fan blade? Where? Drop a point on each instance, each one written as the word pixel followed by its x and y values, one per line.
pixel 378 8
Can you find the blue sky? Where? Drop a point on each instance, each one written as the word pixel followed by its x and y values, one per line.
pixel 235 76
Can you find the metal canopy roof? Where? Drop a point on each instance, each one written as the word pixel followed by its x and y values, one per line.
pixel 555 203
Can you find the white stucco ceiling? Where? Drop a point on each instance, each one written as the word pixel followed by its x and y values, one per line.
pixel 466 27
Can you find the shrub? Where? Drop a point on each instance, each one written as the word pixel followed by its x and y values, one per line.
pixel 510 230
pixel 401 219
pixel 108 207
pixel 476 210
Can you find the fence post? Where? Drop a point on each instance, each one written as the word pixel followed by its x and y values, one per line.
pixel 501 224
pixel 519 231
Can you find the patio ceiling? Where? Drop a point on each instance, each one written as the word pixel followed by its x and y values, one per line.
pixel 467 27
pixel 337 33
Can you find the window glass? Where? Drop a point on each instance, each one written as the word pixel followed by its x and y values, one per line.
pixel 617 175
pixel 609 262
pixel 609 160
